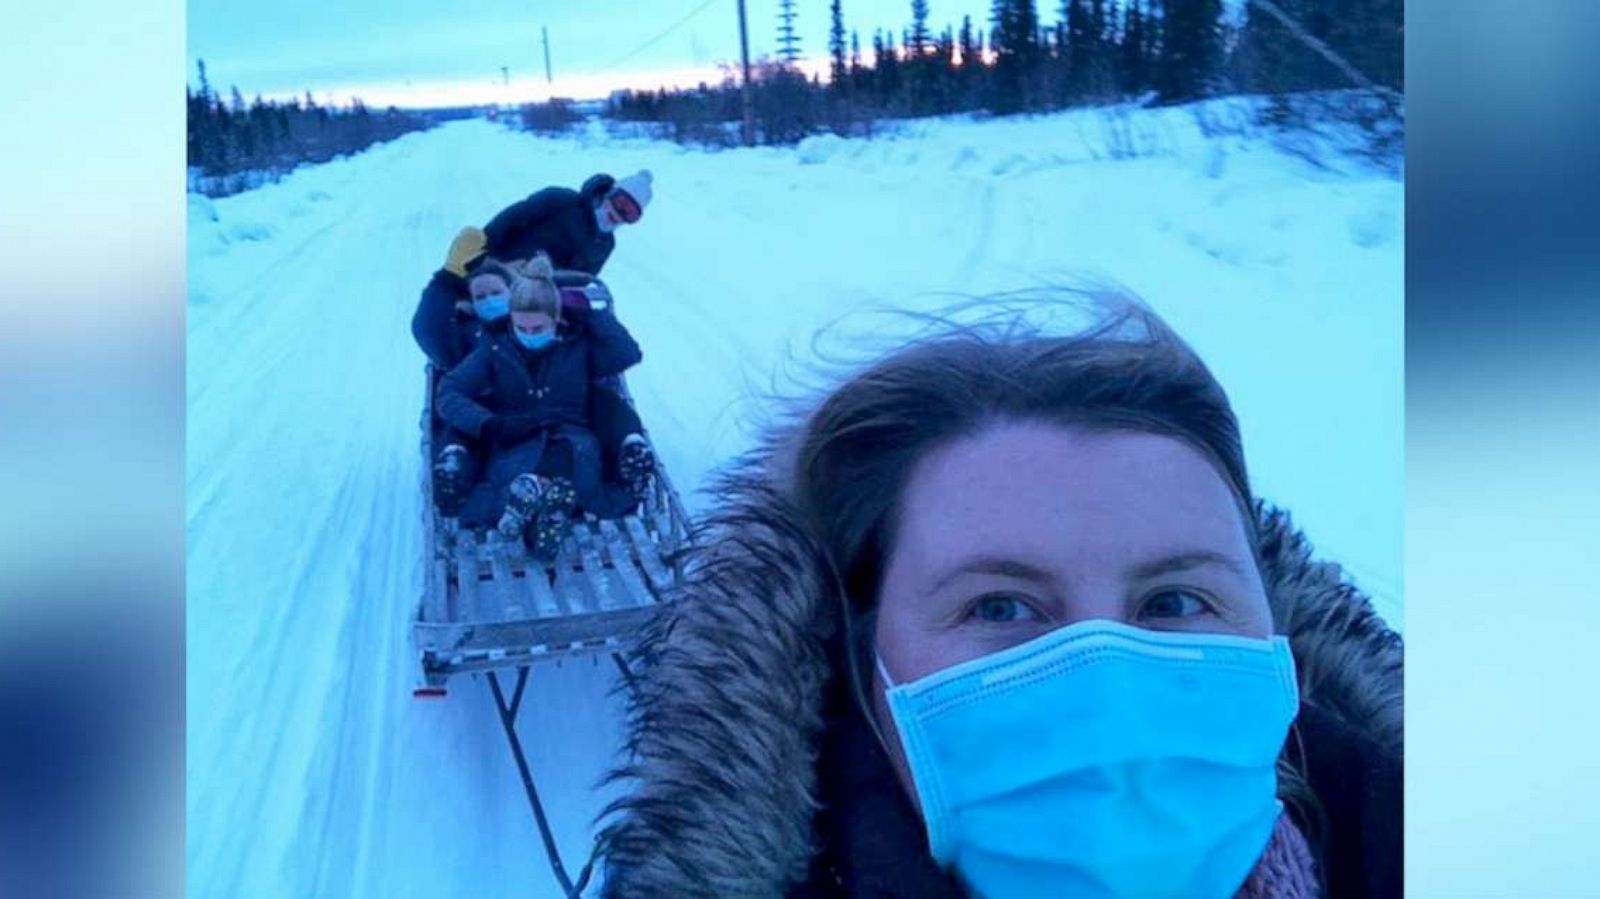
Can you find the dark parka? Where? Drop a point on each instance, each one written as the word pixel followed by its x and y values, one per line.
pixel 554 388
pixel 446 332
pixel 558 221
pixel 499 377
pixel 752 775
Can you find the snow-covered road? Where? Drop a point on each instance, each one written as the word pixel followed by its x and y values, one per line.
pixel 312 773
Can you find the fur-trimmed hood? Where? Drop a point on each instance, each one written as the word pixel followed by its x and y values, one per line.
pixel 724 726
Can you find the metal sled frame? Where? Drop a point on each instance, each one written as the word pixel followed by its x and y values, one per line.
pixel 488 605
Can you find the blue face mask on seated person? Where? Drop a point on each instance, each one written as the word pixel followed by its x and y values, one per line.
pixel 1101 760
pixel 534 342
pixel 492 307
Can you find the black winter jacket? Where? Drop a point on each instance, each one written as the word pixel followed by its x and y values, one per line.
pixel 499 377
pixel 558 221
pixel 444 332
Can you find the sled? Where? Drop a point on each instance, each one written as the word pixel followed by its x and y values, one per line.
pixel 489 606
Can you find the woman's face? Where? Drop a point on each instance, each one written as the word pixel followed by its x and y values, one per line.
pixel 533 322
pixel 1029 527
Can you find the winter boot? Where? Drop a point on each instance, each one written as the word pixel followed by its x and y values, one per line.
pixel 636 463
pixel 451 478
pixel 522 507
pixel 552 520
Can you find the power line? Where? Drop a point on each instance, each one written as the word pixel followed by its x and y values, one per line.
pixel 651 42
pixel 1321 49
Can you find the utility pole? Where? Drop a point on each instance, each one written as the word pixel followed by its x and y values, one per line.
pixel 546 32
pixel 749 98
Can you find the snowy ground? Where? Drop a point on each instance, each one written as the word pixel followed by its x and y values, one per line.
pixel 312 773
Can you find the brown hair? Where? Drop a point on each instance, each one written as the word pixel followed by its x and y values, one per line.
pixel 1127 371
pixel 492 266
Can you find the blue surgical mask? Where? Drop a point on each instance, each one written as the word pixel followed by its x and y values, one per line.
pixel 534 342
pixel 1101 760
pixel 492 307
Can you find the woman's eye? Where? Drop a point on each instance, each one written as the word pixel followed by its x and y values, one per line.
pixel 1001 608
pixel 1175 604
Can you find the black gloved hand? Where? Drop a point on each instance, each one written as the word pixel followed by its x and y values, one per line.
pixel 518 428
pixel 506 430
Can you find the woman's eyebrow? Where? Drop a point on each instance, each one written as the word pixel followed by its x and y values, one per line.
pixel 1183 561
pixel 1000 565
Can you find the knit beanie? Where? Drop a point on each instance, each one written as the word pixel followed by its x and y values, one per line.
pixel 637 186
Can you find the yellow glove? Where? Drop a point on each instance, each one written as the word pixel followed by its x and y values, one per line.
pixel 468 246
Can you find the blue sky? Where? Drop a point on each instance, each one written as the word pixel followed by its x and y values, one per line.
pixel 395 50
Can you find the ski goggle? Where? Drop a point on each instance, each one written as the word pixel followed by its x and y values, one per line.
pixel 625 206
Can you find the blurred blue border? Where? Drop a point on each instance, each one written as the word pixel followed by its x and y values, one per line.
pixel 91 451
pixel 1503 434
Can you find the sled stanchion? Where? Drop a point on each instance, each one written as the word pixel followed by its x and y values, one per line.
pixel 508 720
pixel 627 673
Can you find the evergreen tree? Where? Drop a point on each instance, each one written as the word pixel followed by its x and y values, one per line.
pixel 892 81
pixel 1152 40
pixel 1027 37
pixel 944 71
pixel 858 72
pixel 1003 26
pixel 836 45
pixel 1191 49
pixel 1131 60
pixel 918 39
pixel 879 66
pixel 191 106
pixel 206 94
pixel 1080 47
pixel 1101 48
pixel 788 40
pixel 1014 36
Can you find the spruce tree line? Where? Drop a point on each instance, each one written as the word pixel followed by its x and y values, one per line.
pixel 233 146
pixel 1091 52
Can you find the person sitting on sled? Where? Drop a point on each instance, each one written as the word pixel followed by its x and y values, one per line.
pixel 523 394
pixel 468 297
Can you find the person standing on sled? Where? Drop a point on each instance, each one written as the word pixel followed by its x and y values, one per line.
pixel 523 394
pixel 576 229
